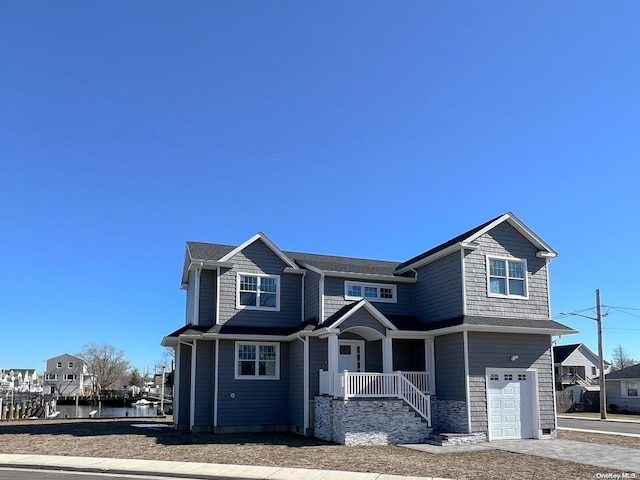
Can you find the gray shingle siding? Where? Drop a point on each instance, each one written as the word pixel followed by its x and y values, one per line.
pixel 438 291
pixel 207 313
pixel 362 318
pixel 450 377
pixel 505 241
pixel 255 402
pixel 494 350
pixel 258 258
pixel 334 297
pixel 191 299
pixel 317 361
pixel 205 367
pixel 296 383
pixel 184 393
pixel 311 295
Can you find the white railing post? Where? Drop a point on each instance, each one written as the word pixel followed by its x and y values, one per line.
pixel 346 385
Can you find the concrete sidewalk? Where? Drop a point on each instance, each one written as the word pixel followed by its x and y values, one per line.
pixel 186 469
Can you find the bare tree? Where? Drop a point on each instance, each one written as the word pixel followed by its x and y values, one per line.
pixel 106 366
pixel 621 359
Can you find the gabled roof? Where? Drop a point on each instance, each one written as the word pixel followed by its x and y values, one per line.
pixel 466 240
pixel 561 352
pixel 347 311
pixel 630 372
pixel 272 246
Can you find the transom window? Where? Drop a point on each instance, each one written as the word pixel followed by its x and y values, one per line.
pixel 374 292
pixel 257 360
pixel 507 277
pixel 258 291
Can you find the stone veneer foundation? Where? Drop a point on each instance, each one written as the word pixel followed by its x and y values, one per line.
pixel 368 421
pixel 449 415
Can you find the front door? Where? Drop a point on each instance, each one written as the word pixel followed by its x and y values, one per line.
pixel 350 355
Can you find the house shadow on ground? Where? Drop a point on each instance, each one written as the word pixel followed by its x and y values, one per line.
pixel 160 430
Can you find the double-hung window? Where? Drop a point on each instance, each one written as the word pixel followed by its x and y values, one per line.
pixel 507 277
pixel 374 292
pixel 630 389
pixel 258 292
pixel 257 360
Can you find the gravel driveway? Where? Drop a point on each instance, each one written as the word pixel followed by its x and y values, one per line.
pixel 119 439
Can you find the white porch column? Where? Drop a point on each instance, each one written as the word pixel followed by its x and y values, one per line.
pixel 332 354
pixel 429 361
pixel 387 354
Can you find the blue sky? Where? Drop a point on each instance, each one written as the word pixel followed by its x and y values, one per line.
pixel 369 129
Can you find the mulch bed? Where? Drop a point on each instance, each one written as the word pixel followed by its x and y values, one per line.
pixel 118 439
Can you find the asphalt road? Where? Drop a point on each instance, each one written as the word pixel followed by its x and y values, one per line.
pixel 44 474
pixel 600 425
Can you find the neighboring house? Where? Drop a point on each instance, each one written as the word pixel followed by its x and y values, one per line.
pixel 19 379
pixel 576 364
pixel 360 351
pixel 623 389
pixel 66 375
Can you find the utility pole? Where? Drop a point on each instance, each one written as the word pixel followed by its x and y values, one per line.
pixel 603 387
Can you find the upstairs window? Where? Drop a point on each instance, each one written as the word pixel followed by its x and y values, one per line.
pixel 59 365
pixel 374 292
pixel 507 277
pixel 258 292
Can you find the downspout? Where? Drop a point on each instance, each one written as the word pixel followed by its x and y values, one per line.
pixel 321 292
pixel 192 402
pixel 196 313
pixel 304 274
pixel 215 387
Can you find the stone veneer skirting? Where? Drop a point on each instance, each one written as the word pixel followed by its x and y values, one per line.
pixel 449 415
pixel 368 421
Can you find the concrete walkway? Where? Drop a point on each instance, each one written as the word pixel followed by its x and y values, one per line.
pixel 185 469
pixel 606 456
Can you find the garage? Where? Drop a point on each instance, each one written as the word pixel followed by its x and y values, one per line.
pixel 510 403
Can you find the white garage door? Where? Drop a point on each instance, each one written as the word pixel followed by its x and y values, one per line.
pixel 510 401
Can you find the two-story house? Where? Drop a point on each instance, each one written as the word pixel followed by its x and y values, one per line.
pixel 576 364
pixel 66 375
pixel 457 338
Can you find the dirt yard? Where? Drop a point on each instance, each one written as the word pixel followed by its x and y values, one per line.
pixel 119 439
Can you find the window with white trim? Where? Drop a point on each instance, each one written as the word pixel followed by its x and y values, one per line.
pixel 258 292
pixel 257 360
pixel 630 389
pixel 374 292
pixel 507 277
pixel 59 365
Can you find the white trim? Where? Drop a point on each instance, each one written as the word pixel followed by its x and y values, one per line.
pixel 216 376
pixel 332 353
pixel 479 328
pixel 321 300
pixel 387 355
pixel 464 283
pixel 546 268
pixel 304 276
pixel 535 399
pixel 306 385
pixel 375 313
pixel 268 243
pixel 239 306
pixel 465 341
pixel 256 376
pixel 437 255
pixel 356 275
pixel 488 258
pixel 553 377
pixel 378 286
pixel 196 300
pixel 218 277
pixel 176 387
pixel 192 399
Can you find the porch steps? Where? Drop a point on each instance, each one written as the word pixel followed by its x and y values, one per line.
pixel 446 439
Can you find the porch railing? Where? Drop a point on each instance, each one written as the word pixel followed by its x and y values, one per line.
pixel 409 386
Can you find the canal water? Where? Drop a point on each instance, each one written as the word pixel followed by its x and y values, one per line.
pixel 69 411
